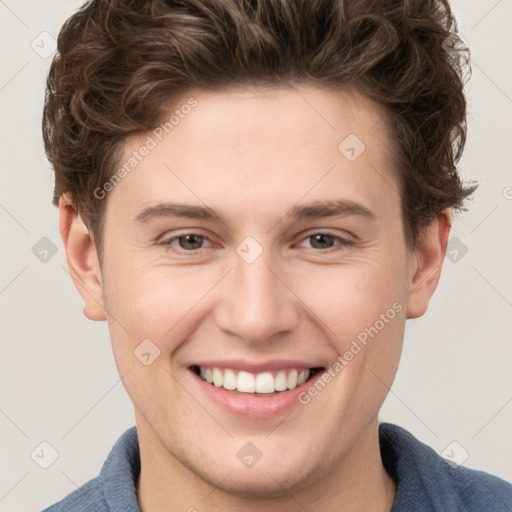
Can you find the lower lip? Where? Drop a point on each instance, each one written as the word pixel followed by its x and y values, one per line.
pixel 249 405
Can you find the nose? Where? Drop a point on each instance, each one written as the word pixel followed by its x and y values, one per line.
pixel 257 304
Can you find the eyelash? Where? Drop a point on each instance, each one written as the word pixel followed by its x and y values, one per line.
pixel 343 242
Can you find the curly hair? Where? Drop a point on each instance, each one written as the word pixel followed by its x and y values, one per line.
pixel 120 63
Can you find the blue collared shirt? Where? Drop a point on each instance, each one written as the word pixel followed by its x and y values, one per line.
pixel 425 481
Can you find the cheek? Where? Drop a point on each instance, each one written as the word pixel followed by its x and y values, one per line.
pixel 348 299
pixel 150 317
pixel 150 304
pixel 361 309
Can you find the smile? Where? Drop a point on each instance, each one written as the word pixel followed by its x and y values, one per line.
pixel 265 383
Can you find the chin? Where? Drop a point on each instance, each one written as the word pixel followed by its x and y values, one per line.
pixel 263 486
pixel 255 483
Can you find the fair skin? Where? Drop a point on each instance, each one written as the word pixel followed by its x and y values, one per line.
pixel 250 156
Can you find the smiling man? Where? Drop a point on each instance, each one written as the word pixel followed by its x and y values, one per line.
pixel 256 196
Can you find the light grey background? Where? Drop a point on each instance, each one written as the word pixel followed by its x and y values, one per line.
pixel 59 382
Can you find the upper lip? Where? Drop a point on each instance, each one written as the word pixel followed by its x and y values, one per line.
pixel 256 367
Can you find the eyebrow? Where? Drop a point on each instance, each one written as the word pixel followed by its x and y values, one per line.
pixel 314 210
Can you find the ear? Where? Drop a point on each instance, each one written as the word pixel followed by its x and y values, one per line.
pixel 82 259
pixel 429 254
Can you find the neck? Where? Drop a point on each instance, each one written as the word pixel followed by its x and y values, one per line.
pixel 359 483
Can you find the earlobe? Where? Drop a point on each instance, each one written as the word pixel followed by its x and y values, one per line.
pixel 82 259
pixel 429 255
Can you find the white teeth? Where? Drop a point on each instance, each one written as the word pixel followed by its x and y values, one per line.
pixel 280 381
pixel 302 378
pixel 264 383
pixel 291 381
pixel 217 377
pixel 246 382
pixel 229 380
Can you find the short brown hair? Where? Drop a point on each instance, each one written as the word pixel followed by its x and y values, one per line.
pixel 119 62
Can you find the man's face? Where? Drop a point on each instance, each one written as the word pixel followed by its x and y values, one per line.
pixel 259 289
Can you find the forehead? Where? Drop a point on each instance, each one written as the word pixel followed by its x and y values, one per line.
pixel 238 146
pixel 257 115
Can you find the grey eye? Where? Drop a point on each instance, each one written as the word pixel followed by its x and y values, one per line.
pixel 321 241
pixel 190 242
